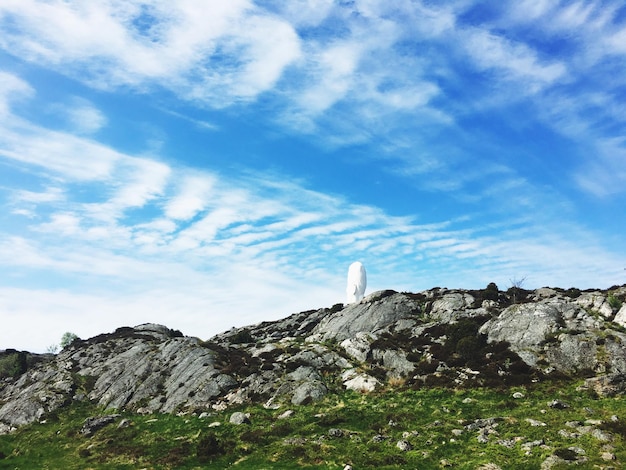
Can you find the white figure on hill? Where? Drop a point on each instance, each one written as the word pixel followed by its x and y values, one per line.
pixel 357 282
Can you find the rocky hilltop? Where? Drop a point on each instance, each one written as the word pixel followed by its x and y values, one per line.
pixel 439 337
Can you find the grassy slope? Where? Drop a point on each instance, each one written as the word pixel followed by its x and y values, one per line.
pixel 429 415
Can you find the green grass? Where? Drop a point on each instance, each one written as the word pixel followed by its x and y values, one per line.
pixel 428 415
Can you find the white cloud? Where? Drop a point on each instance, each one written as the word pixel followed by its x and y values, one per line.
pixel 11 88
pixel 201 251
pixel 517 60
pixel 85 118
pixel 228 51
pixel 193 197
pixel 73 157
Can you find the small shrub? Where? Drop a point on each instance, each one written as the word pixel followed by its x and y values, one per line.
pixel 491 292
pixel 572 293
pixel 13 364
pixel 67 339
pixel 614 302
pixel 336 308
pixel 396 381
pixel 243 336
pixel 566 454
pixel 469 348
pixel 209 447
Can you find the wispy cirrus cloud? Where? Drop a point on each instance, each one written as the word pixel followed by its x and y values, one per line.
pixel 235 52
pixel 447 97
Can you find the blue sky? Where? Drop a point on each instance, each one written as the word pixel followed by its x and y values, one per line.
pixel 214 164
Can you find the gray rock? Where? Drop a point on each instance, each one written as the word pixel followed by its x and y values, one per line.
pixel 530 445
pixel 489 466
pixel 93 424
pixel 524 326
pixel 373 314
pixel 620 316
pixel 239 418
pixel 595 301
pixel 573 353
pixel 607 456
pixel 358 347
pixel 535 423
pixel 404 445
pixel 309 392
pixel 286 414
pixel 151 368
pixel 483 436
pixel 335 432
pixel 558 405
pixel 607 385
pixel 451 307
pixel 359 382
pixel 394 361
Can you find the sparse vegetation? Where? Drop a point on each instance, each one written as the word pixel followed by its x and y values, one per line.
pixel 67 339
pixel 614 302
pixel 349 428
pixel 452 390
pixel 12 363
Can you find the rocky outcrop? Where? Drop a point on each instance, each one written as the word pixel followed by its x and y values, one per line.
pixel 436 337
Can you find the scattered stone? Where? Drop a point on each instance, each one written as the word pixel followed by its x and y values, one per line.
pixel 294 441
pixel 204 415
pixel 528 446
pixel 568 435
pixel 94 423
pixel 445 463
pixel 607 456
pixel 468 400
pixel 558 405
pixel 124 423
pixel 593 422
pixel 518 395
pixel 509 443
pixel 483 436
pixel 602 436
pixel 334 432
pixel 379 438
pixel 563 457
pixel 6 429
pixel 607 385
pixel 286 414
pixel 535 423
pixel 489 466
pixel 347 467
pixel 215 424
pixel 482 423
pixel 457 432
pixel 404 445
pixel 239 418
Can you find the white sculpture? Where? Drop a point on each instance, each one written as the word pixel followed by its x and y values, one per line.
pixel 357 282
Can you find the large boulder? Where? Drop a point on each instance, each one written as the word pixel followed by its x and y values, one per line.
pixel 376 313
pixel 559 334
